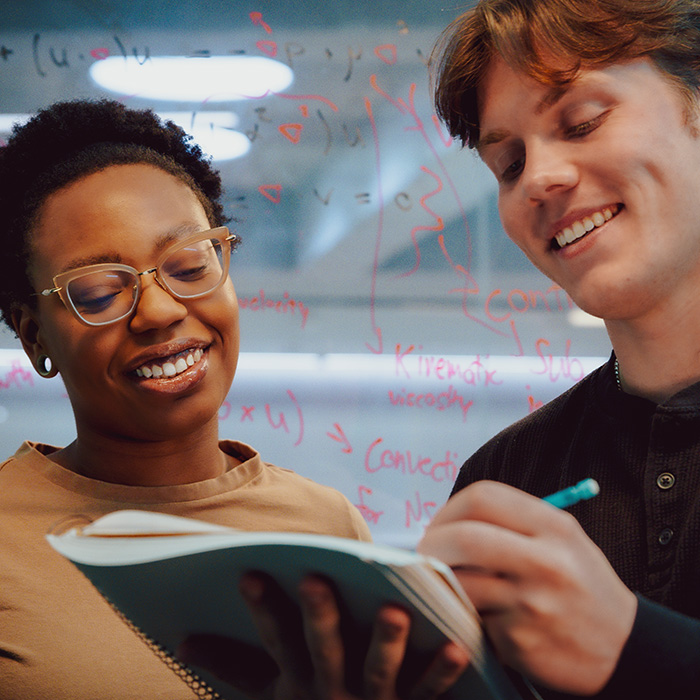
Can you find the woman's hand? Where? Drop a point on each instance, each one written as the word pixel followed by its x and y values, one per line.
pixel 314 654
pixel 551 603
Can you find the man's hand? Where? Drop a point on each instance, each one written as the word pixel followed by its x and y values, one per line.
pixel 551 603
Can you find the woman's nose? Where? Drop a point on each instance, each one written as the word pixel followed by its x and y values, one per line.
pixel 156 308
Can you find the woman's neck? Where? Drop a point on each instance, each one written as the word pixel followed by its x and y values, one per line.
pixel 187 459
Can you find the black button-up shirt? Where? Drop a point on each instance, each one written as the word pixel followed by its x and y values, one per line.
pixel 646 458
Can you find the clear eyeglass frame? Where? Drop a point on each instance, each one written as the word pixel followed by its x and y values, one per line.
pixel 61 281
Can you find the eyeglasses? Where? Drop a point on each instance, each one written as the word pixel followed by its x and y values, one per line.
pixel 107 292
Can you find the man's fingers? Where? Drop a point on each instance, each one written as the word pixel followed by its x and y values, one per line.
pixel 480 547
pixel 498 504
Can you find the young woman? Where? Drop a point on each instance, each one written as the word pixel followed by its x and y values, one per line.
pixel 587 113
pixel 116 276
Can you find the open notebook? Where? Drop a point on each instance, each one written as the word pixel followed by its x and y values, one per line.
pixel 170 577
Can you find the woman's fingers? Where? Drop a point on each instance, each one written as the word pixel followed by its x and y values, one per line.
pixel 386 653
pixel 331 646
pixel 321 619
pixel 247 668
pixel 280 628
pixel 312 653
pixel 444 671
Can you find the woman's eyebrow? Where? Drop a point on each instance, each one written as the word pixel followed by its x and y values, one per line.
pixel 110 257
pixel 161 243
pixel 176 234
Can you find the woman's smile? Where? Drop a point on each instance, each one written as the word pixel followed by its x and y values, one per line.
pixel 172 373
pixel 170 366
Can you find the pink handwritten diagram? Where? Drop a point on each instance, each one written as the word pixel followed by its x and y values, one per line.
pixel 388 326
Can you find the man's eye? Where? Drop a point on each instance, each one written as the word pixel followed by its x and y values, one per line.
pixel 511 171
pixel 585 128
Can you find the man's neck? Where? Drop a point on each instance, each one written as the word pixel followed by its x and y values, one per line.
pixel 656 360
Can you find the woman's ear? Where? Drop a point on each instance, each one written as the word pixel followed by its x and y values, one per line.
pixel 28 328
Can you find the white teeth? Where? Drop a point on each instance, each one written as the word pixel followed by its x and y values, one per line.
pixel 582 227
pixel 170 368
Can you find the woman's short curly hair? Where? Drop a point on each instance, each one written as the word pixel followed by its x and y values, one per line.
pixel 68 141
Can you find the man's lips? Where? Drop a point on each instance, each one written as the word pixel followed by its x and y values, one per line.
pixel 579 228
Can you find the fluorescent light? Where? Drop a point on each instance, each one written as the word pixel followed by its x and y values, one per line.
pixel 189 120
pixel 221 144
pixel 213 132
pixel 178 78
pixel 579 318
pixel 8 120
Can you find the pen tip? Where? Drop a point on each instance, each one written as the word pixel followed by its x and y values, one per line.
pixel 592 486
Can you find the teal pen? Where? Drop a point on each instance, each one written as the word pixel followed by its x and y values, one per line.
pixel 578 492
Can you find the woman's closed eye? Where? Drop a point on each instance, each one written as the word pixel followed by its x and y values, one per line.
pixel 190 274
pixel 96 301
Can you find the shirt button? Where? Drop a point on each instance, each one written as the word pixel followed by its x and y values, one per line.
pixel 665 481
pixel 665 535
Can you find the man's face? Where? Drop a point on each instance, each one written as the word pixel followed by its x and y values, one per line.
pixel 599 185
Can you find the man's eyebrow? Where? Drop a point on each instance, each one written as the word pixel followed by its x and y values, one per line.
pixel 497 135
pixel 552 96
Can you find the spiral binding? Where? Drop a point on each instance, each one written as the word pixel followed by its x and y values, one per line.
pixel 200 688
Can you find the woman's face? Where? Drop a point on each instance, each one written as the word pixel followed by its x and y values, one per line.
pixel 598 184
pixel 129 214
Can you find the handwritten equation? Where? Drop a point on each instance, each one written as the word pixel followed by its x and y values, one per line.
pixel 375 244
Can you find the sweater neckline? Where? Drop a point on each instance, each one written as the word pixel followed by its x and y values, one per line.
pixel 35 456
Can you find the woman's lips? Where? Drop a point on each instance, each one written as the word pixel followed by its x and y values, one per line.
pixel 170 366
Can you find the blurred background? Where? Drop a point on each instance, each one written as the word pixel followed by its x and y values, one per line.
pixel 388 326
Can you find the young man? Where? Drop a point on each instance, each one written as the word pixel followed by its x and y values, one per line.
pixel 587 113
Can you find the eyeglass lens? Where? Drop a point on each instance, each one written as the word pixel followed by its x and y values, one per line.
pixel 106 295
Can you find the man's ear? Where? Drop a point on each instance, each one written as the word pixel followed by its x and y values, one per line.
pixel 28 328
